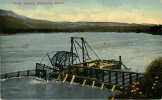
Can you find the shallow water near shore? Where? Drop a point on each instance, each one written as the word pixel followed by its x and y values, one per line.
pixel 34 88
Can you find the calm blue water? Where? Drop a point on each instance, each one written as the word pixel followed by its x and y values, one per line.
pixel 21 52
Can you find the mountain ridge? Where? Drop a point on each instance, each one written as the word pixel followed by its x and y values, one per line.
pixel 12 14
pixel 12 22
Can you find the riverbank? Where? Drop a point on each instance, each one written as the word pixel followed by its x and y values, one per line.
pixel 154 30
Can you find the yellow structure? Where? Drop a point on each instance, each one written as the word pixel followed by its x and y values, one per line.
pixel 112 98
pixel 113 88
pixel 84 82
pixel 93 83
pixel 65 77
pixel 72 79
pixel 102 86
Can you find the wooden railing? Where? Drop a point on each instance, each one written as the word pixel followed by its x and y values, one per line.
pixel 18 74
pixel 111 76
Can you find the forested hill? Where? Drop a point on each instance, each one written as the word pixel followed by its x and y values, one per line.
pixel 14 23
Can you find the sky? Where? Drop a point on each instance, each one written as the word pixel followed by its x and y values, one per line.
pixel 127 11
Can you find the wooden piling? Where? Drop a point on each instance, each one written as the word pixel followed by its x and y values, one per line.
pixel 66 76
pixel 123 79
pixel 113 88
pixel 18 74
pixel 93 84
pixel 96 73
pixel 120 61
pixel 69 70
pixel 72 79
pixel 130 78
pixel 91 73
pixel 84 82
pixel 6 75
pixel 103 76
pixel 102 86
pixel 137 76
pixel 110 77
pixel 28 72
pixel 76 70
pixel 85 72
pixel 116 78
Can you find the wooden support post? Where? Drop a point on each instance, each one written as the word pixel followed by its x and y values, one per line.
pixel 91 73
pixel 123 79
pixel 83 52
pixel 66 76
pixel 69 69
pixel 84 82
pixel 102 86
pixel 72 43
pixel 120 61
pixel 113 98
pixel 96 74
pixel 76 70
pixel 18 74
pixel 6 75
pixel 130 78
pixel 109 76
pixel 85 71
pixel 137 76
pixel 116 78
pixel 72 79
pixel 113 88
pixel 93 84
pixel 103 76
pixel 28 72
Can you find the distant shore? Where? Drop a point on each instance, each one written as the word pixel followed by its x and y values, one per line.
pixel 154 30
pixel 12 23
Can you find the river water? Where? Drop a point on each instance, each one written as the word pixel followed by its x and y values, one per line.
pixel 21 52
